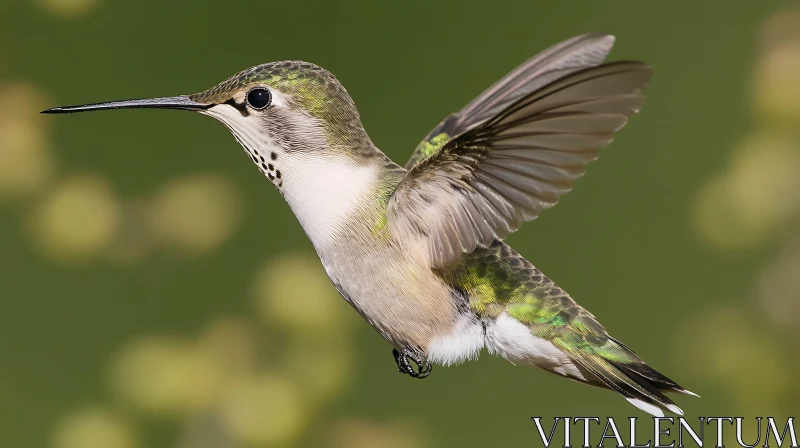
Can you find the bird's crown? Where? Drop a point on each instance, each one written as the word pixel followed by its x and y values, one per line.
pixel 307 86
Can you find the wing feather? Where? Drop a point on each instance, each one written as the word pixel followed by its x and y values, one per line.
pixel 506 169
pixel 556 62
pixel 587 50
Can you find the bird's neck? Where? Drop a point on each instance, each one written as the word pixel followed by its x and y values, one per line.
pixel 339 200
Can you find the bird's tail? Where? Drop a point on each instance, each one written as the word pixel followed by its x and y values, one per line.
pixel 622 371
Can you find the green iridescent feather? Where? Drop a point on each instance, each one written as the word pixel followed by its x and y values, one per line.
pixel 427 148
pixel 311 89
pixel 307 83
pixel 497 280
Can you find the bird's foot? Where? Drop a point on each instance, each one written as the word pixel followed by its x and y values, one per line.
pixel 404 365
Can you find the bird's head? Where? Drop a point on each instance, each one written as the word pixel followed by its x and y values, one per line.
pixel 300 127
pixel 280 111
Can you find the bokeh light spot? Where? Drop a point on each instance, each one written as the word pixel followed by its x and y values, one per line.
pixel 134 239
pixel 265 410
pixel 167 376
pixel 776 91
pixel 233 345
pixel 323 365
pixel 740 207
pixel 366 434
pixel 736 356
pixel 68 9
pixel 93 427
pixel 26 161
pixel 779 288
pixel 197 213
pixel 77 219
pixel 294 291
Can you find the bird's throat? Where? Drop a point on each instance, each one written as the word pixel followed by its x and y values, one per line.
pixel 331 197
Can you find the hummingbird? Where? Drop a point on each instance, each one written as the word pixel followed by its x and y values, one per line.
pixel 417 250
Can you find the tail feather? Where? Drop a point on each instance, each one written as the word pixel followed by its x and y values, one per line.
pixel 654 387
pixel 643 370
pixel 636 382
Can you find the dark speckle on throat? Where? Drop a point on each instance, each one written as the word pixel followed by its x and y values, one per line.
pixel 268 169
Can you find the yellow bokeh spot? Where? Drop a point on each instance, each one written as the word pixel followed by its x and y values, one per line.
pixel 26 161
pixel 366 434
pixel 718 218
pixel 294 291
pixel 232 344
pixel 323 365
pixel 265 410
pixel 134 239
pixel 736 358
pixel 779 289
pixel 77 219
pixel 167 377
pixel 68 9
pixel 740 207
pixel 765 177
pixel 776 91
pixel 196 213
pixel 23 101
pixel 93 427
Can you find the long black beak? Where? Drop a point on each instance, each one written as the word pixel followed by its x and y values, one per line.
pixel 172 102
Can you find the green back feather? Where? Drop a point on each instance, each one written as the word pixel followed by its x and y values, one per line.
pixel 497 280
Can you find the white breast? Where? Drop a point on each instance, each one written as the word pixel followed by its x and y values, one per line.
pixel 322 186
pixel 324 191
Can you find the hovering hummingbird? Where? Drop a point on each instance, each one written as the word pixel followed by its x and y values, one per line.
pixel 418 250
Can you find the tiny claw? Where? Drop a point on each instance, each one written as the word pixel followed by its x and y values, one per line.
pixel 423 369
pixel 400 363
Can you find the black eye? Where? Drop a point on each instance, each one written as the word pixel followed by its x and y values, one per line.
pixel 259 98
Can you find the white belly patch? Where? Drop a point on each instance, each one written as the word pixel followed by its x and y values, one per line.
pixel 463 343
pixel 506 337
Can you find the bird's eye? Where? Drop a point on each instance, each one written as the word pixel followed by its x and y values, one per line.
pixel 259 98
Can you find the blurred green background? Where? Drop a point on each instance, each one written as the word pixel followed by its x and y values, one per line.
pixel 153 282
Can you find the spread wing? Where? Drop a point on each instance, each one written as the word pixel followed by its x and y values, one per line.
pixel 586 50
pixel 509 164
